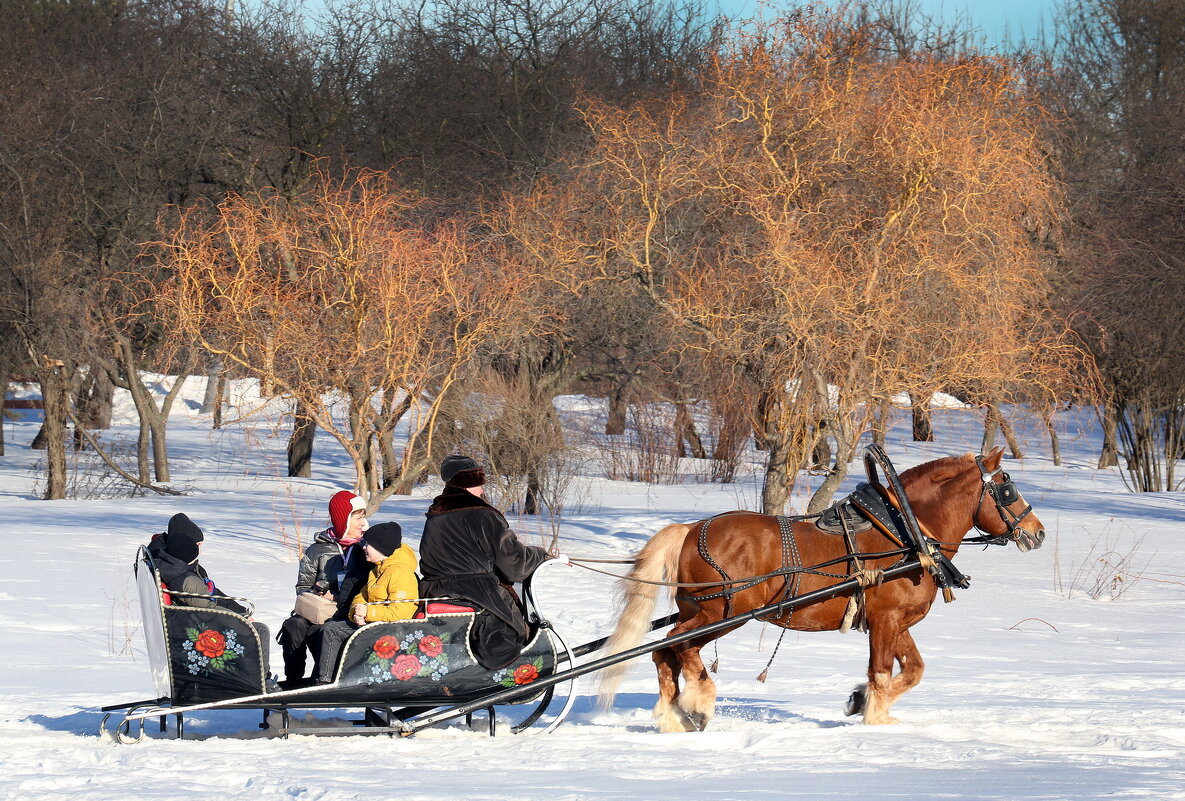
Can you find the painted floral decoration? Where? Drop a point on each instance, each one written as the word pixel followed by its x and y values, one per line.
pixel 525 673
pixel 385 647
pixel 209 650
pixel 417 654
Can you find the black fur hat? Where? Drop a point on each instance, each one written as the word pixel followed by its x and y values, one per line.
pixel 462 471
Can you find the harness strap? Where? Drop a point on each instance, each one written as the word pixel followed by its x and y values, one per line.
pixel 728 590
pixel 790 558
pixel 854 614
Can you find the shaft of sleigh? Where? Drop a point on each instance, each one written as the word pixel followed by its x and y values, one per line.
pixel 779 608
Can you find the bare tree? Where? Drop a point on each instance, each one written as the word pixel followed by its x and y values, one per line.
pixel 834 225
pixel 340 302
pixel 1119 73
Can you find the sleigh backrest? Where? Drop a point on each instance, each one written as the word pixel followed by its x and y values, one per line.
pixel 152 615
pixel 196 654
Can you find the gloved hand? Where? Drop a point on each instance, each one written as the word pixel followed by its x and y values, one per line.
pixel 563 558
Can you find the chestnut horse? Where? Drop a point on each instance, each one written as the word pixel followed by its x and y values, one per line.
pixel 949 497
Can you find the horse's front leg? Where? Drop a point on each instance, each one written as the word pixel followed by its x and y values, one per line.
pixel 910 674
pixel 878 692
pixel 911 664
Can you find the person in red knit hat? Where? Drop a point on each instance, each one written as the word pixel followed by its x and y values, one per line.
pixel 334 567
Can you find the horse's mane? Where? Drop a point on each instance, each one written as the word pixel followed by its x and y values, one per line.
pixel 948 466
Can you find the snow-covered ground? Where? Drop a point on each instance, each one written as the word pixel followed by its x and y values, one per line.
pixel 1045 679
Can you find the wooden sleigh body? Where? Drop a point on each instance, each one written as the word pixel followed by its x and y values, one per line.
pixel 203 659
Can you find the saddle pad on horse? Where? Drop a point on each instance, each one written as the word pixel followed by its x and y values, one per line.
pixel 834 518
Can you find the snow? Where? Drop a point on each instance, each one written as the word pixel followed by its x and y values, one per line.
pixel 1034 689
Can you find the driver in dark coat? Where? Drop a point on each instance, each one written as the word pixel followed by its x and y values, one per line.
pixel 468 551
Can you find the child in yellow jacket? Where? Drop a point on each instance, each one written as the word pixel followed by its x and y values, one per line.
pixel 392 578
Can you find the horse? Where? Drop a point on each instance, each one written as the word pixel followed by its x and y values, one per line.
pixel 949 496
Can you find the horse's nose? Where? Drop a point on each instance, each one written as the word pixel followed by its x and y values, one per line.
pixel 1040 536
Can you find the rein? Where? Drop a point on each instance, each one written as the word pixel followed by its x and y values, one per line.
pixel 749 581
pixel 915 540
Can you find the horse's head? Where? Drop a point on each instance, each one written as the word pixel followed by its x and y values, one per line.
pixel 1012 519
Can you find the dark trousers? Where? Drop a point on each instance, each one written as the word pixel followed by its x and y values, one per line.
pixel 495 643
pixel 298 636
pixel 265 640
pixel 334 634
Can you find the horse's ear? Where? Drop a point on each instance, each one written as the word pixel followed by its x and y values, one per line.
pixel 993 459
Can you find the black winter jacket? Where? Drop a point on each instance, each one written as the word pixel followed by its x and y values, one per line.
pixel 343 569
pixel 468 551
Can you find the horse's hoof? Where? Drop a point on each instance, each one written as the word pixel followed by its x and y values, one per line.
pixel 697 720
pixel 856 701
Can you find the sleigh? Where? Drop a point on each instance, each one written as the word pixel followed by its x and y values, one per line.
pixel 211 658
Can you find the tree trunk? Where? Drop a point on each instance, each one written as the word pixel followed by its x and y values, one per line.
pixel 102 401
pixel 300 444
pixel 95 396
pixel 923 430
pixel 619 407
pixel 1010 437
pixel 142 462
pixel 990 423
pixel 158 421
pixel 160 451
pixel 219 400
pixel 392 413
pixel 776 489
pixel 826 491
pixel 781 468
pixel 821 450
pixel 880 421
pixel 685 432
pixel 532 504
pixel 3 397
pixel 213 377
pixel 153 419
pixel 390 460
pixel 1055 446
pixel 1110 454
pixel 54 400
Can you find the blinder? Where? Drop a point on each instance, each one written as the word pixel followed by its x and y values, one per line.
pixel 1004 495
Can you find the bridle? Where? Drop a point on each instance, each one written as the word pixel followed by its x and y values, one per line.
pixel 1003 495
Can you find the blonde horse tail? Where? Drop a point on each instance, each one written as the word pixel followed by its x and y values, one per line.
pixel 657 561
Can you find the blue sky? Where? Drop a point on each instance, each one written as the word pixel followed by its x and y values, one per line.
pixel 1019 18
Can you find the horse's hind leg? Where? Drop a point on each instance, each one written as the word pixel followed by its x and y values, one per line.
pixel 667 712
pixel 698 697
